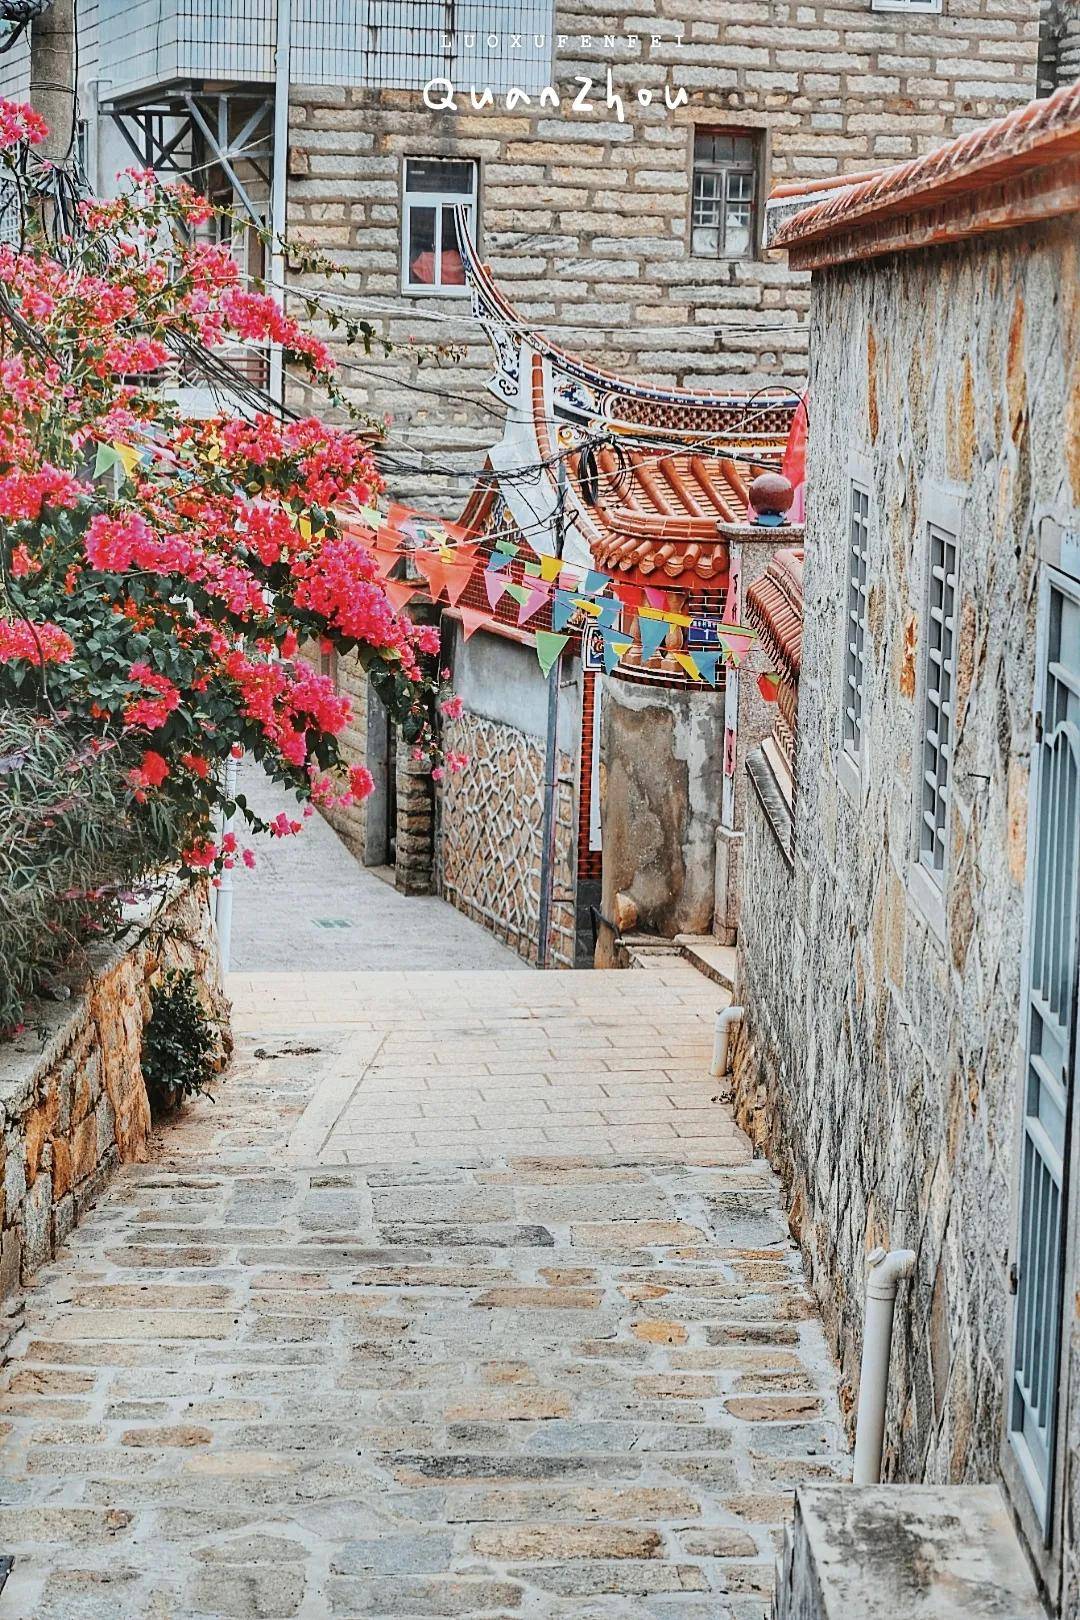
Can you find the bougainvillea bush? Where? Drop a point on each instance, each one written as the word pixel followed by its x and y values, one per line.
pixel 160 575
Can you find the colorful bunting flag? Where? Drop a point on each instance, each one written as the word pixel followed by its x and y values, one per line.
pixel 550 568
pixel 769 686
pixel 105 460
pixel 499 559
pixel 495 586
pixel 471 620
pixel 548 647
pixel 537 596
pixel 735 647
pixel 594 582
pixel 654 597
pixel 707 659
pixel 653 633
pixel 457 577
pixel 615 646
pixel 399 593
pixel 434 571
pixel 563 609
pixel 384 560
pixel 520 593
pixel 128 457
pixel 609 614
pixel 687 662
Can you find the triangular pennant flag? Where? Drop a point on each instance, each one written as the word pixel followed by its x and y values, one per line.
pixel 594 582
pixel 550 568
pixel 609 614
pixel 384 560
pixel 548 647
pixel 615 645
pixel 399 593
pixel 629 595
pixel 128 456
pixel 471 619
pixel 532 569
pixel 434 571
pixel 689 665
pixel 458 576
pixel 654 597
pixel 735 647
pixel 769 686
pixel 520 593
pixel 706 660
pixel 495 586
pixel 464 554
pixel 587 606
pixel 538 595
pixel 499 559
pixel 370 515
pixel 105 460
pixel 653 633
pixel 563 608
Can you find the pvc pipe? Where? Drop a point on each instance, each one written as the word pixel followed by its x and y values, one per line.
pixel 279 183
pixel 724 1021
pixel 883 1276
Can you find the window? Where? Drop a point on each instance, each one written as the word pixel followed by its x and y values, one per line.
pixel 939 676
pixel 1047 1131
pixel 905 5
pixel 855 621
pixel 430 257
pixel 724 209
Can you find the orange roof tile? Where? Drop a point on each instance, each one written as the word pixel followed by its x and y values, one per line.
pixel 1038 136
pixel 775 607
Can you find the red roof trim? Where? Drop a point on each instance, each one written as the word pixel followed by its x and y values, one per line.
pixel 1039 135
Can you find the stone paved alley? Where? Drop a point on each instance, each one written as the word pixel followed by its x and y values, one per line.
pixel 462 1298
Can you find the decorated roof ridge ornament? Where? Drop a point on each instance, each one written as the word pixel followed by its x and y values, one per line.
pixel 771 496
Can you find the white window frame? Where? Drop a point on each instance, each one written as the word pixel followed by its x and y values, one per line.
pixel 752 168
pixel 920 6
pixel 439 200
pixel 851 761
pixel 942 511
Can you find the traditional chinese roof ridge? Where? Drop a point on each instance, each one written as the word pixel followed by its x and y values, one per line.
pixel 774 604
pixel 1043 133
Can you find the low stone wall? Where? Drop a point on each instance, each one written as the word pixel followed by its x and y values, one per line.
pixel 71 1088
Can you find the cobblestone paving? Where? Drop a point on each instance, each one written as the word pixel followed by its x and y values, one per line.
pixel 507 1384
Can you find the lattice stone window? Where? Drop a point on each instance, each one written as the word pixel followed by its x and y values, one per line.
pixel 855 621
pixel 430 255
pixel 939 678
pixel 724 209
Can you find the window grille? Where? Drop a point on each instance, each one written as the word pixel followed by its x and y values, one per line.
pixel 939 676
pixel 1050 1057
pixel 855 622
pixel 724 210
pixel 430 254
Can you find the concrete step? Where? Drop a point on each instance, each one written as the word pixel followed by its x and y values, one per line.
pixel 717 962
pixel 909 1552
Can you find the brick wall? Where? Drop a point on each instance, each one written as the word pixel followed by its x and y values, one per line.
pixel 585 221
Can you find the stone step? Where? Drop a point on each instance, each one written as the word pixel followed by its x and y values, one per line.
pixel 912 1552
pixel 716 961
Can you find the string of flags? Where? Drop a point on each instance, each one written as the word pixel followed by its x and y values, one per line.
pixel 445 555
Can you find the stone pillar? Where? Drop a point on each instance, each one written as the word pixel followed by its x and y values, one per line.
pixel 748 719
pixel 414 864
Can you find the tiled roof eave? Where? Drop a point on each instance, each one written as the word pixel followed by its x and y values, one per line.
pixel 1043 135
pixel 1041 194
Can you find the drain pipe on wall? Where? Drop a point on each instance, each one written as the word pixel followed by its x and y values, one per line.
pixel 883 1277
pixel 721 1066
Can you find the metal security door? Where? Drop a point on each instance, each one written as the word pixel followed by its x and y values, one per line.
pixel 1050 1058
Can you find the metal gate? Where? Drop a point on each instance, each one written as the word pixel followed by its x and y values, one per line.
pixel 1050 1056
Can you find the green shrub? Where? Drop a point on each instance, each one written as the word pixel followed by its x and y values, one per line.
pixel 71 852
pixel 181 1049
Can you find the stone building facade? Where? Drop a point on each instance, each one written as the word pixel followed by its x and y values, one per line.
pixel 587 222
pixel 899 1032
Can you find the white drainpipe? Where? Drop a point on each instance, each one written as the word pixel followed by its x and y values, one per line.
pixel 724 1021
pixel 883 1276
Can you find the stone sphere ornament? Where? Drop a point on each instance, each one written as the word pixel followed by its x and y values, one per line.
pixel 771 495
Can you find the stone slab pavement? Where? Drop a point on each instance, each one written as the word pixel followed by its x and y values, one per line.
pixel 323 1360
pixel 309 905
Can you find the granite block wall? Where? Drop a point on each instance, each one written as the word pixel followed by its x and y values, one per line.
pixel 880 1063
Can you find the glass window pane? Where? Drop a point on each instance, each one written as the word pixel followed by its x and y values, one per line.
pixel 421 246
pixel 432 174
pixel 737 230
pixel 451 269
pixel 707 241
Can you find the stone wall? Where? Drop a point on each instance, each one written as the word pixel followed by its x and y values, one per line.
pixel 71 1087
pixel 880 1063
pixel 585 220
pixel 661 764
